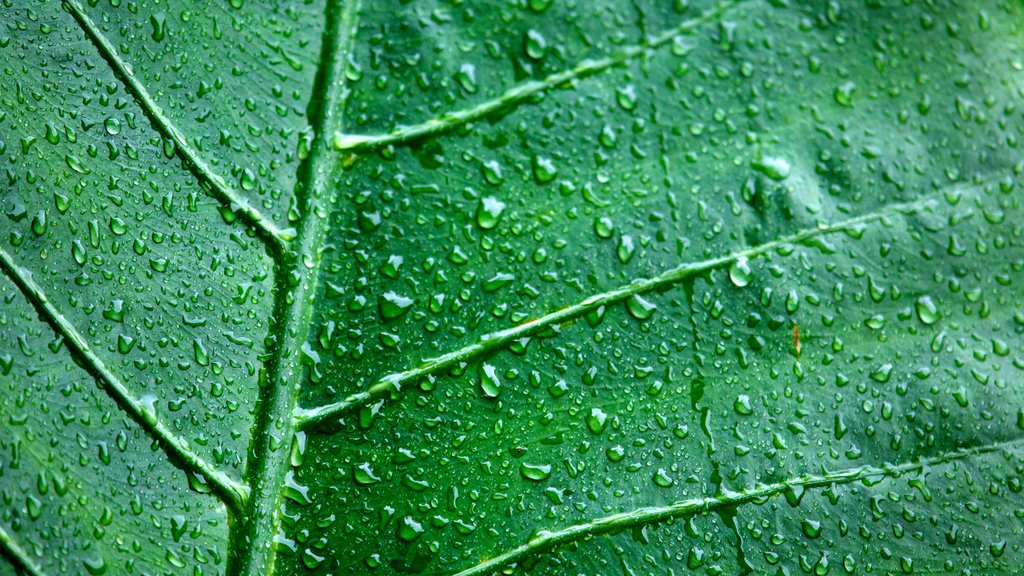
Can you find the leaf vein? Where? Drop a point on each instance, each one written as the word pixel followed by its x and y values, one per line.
pixel 231 492
pixel 18 556
pixel 545 540
pixel 306 418
pixel 297 278
pixel 522 93
pixel 214 184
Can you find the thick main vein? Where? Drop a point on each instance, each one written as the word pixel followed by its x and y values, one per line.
pixel 545 540
pixel 231 492
pixel 214 184
pixel 496 340
pixel 297 279
pixel 10 549
pixel 359 143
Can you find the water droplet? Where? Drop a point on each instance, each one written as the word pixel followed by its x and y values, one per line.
pixel 640 308
pixel 488 212
pixel 626 249
pixel 596 420
pixel 466 77
pixel 626 97
pixel 393 305
pixel 363 474
pixel 742 405
pixel 534 44
pixel 544 169
pixel 535 472
pixel 844 94
pixel 661 478
pixel 159 23
pixel 489 382
pixel 540 5
pixel 492 172
pixel 409 529
pixel 926 310
pixel 740 273
pixel 772 167
pixel 112 126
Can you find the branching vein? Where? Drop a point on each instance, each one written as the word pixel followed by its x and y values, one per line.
pixel 359 143
pixel 232 493
pixel 297 280
pixel 18 556
pixel 545 540
pixel 496 340
pixel 214 184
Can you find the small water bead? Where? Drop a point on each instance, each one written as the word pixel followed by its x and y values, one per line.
pixel 844 94
pixel 534 44
pixel 466 77
pixel 39 223
pixel 118 226
pixel 544 169
pixel 773 167
pixel 393 305
pixel 626 249
pixel 604 227
pixel 662 479
pixel 596 420
pixel 535 472
pixel 488 212
pixel 626 97
pixel 742 405
pixel 409 529
pixel 112 126
pixel 740 272
pixel 159 23
pixel 489 382
pixel 364 475
pixel 927 311
pixel 492 172
pixel 640 308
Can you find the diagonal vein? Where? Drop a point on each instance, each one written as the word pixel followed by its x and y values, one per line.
pixel 496 340
pixel 18 556
pixel 545 540
pixel 214 184
pixel 358 143
pixel 232 493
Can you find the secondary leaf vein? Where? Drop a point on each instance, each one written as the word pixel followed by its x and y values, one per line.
pixel 215 185
pixel 496 340
pixel 10 549
pixel 545 540
pixel 522 93
pixel 231 492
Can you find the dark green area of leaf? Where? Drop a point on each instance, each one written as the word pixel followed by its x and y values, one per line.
pixel 541 286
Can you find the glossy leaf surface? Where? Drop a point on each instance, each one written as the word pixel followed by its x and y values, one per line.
pixel 528 287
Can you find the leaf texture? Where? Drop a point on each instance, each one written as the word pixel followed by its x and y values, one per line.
pixel 528 287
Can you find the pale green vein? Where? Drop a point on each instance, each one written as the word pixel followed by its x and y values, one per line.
pixel 358 143
pixel 495 340
pixel 215 185
pixel 296 292
pixel 545 540
pixel 232 493
pixel 10 549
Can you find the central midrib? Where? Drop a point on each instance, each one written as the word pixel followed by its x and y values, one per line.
pixel 252 549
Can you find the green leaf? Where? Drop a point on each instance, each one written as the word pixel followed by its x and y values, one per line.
pixel 531 287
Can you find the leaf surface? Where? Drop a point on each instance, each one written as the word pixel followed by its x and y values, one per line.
pixel 538 287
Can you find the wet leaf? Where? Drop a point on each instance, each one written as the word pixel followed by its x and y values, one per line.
pixel 535 287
